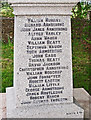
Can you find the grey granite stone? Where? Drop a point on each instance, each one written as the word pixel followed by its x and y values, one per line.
pixel 43 84
pixel 43 7
pixel 70 110
pixel 64 69
pixel 82 97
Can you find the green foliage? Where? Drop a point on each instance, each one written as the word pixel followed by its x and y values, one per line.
pixel 81 10
pixel 7 65
pixel 81 72
pixel 6 10
pixel 81 44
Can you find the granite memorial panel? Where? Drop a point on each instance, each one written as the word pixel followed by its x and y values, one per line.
pixel 43 84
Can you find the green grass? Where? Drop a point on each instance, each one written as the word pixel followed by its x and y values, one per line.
pixel 81 54
pixel 81 68
pixel 7 66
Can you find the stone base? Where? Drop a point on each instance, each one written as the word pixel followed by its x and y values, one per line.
pixel 72 110
pixel 2 105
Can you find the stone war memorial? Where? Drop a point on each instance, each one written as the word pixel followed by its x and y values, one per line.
pixel 43 84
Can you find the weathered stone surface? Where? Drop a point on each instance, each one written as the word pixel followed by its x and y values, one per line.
pixel 43 7
pixel 70 110
pixel 50 80
pixel 42 62
pixel 82 97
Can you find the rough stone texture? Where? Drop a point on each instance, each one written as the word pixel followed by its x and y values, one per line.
pixel 82 97
pixel 42 103
pixel 65 56
pixel 42 111
pixel 22 58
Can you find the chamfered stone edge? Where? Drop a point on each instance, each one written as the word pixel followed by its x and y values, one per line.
pixel 43 1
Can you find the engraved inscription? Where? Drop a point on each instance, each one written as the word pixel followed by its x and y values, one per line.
pixel 44 65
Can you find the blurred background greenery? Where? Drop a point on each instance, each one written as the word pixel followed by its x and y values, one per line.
pixel 81 27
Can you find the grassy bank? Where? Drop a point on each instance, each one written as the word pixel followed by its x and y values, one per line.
pixel 81 53
pixel 7 65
